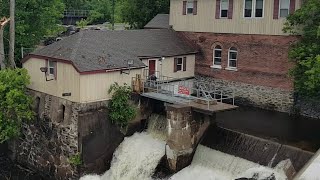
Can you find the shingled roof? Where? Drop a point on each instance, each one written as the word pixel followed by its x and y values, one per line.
pixel 160 21
pixel 93 50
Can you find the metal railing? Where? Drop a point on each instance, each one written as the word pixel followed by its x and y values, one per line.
pixel 76 13
pixel 198 92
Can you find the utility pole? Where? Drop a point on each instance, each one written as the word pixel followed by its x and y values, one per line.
pixel 3 22
pixel 113 7
pixel 12 34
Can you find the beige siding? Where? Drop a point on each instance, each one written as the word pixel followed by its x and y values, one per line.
pixel 205 20
pixel 67 79
pixel 94 87
pixel 166 68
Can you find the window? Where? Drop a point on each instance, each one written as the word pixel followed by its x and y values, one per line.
pixel 248 8
pixel 224 8
pixel 217 57
pixel 190 7
pixel 253 8
pixel 233 55
pixel 179 64
pixel 259 8
pixel 284 8
pixel 51 67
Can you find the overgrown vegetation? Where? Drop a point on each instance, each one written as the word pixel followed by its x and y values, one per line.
pixel 75 159
pixel 35 19
pixel 15 104
pixel 121 111
pixel 306 53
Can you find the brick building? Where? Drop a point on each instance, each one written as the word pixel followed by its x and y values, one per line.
pixel 242 46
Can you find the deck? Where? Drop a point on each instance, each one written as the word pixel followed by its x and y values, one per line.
pixel 201 96
pixel 189 101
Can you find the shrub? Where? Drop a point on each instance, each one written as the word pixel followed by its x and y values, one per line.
pixel 120 109
pixel 15 104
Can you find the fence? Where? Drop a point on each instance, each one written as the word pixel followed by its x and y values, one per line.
pixel 189 91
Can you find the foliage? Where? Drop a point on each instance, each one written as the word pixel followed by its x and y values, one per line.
pixel 75 159
pixel 82 23
pixel 100 11
pixel 35 19
pixel 120 109
pixel 306 53
pixel 15 104
pixel 137 13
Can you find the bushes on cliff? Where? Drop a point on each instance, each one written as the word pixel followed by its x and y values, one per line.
pixel 15 104
pixel 120 109
pixel 306 53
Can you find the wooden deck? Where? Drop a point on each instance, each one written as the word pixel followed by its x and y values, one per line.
pixel 189 101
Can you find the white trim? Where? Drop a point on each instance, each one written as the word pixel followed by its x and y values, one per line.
pixel 221 10
pixel 232 68
pixel 279 10
pixel 214 57
pixel 253 12
pixel 216 66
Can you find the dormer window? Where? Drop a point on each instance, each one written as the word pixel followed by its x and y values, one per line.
pixel 190 7
pixel 224 8
pixel 253 8
pixel 284 8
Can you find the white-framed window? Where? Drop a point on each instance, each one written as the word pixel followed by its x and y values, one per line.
pixel 253 8
pixel 51 67
pixel 190 7
pixel 233 58
pixel 217 55
pixel 224 7
pixel 179 64
pixel 284 8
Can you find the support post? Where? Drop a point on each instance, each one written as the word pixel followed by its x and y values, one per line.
pixel 185 131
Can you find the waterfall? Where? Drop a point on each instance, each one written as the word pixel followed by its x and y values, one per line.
pixel 209 164
pixel 138 156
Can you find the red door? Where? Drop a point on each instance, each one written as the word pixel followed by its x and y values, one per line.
pixel 152 67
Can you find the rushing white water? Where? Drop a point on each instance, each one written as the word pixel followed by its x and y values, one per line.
pixel 136 158
pixel 209 164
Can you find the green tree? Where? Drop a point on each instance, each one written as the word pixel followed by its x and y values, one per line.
pixel 100 11
pixel 121 112
pixel 137 13
pixel 15 104
pixel 35 19
pixel 306 53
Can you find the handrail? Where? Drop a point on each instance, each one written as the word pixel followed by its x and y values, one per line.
pixel 167 87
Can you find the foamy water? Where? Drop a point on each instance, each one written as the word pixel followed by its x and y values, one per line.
pixel 136 158
pixel 209 164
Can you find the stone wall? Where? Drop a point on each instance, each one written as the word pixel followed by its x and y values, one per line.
pixel 308 107
pixel 254 95
pixel 185 130
pixel 64 129
pixel 48 143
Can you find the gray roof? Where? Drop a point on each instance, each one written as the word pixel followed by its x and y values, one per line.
pixel 160 21
pixel 92 50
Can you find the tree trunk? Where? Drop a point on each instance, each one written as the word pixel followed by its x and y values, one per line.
pixel 12 34
pixel 2 65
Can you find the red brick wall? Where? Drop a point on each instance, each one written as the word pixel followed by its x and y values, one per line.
pixel 262 59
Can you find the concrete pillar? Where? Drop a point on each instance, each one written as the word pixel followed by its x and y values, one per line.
pixel 184 134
